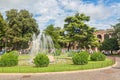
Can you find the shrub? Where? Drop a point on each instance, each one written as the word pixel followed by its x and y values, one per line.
pixel 9 59
pixel 80 58
pixel 41 60
pixel 98 56
pixel 57 52
pixel 14 52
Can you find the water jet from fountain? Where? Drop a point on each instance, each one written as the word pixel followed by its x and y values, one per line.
pixel 41 44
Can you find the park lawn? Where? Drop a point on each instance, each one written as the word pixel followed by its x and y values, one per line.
pixel 62 56
pixel 56 67
pixel 27 56
pixel 24 56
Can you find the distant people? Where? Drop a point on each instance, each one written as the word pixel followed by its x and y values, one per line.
pixel 3 51
pixel 90 51
pixel 118 52
pixel 105 52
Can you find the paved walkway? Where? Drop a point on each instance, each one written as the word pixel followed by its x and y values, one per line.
pixel 112 73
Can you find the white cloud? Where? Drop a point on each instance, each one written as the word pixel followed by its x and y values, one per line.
pixel 101 16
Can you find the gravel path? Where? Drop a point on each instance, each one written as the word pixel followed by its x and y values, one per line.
pixel 112 73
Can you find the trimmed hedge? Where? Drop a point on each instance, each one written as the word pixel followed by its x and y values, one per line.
pixel 80 58
pixel 41 60
pixel 97 56
pixel 9 59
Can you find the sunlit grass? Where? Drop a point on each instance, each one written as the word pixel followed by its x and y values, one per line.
pixel 67 66
pixel 24 56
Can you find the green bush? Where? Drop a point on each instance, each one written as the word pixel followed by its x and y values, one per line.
pixel 9 59
pixel 57 52
pixel 41 60
pixel 14 52
pixel 97 56
pixel 80 58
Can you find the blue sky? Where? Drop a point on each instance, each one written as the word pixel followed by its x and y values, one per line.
pixel 103 13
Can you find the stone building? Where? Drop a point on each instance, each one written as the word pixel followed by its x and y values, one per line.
pixel 104 34
pixel 100 34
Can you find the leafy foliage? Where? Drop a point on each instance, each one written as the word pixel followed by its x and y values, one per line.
pixel 54 32
pixel 57 52
pixel 110 44
pixel 41 60
pixel 75 30
pixel 3 27
pixel 14 52
pixel 97 56
pixel 9 59
pixel 22 25
pixel 80 58
pixel 117 31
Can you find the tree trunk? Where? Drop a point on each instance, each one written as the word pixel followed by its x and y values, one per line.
pixel 69 47
pixel 111 52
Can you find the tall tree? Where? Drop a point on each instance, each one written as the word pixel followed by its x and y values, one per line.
pixel 3 26
pixel 76 30
pixel 117 31
pixel 22 26
pixel 110 44
pixel 54 32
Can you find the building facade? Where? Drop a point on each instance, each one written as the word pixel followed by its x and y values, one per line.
pixel 103 34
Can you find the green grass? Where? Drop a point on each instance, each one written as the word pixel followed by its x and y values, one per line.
pixel 24 56
pixel 68 66
pixel 62 56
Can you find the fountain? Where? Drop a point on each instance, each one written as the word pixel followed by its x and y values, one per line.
pixel 42 44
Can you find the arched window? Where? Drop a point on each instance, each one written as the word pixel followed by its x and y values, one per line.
pixel 99 36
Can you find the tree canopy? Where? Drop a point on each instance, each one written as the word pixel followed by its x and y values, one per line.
pixel 76 30
pixel 3 26
pixel 117 31
pixel 54 32
pixel 21 26
pixel 110 44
